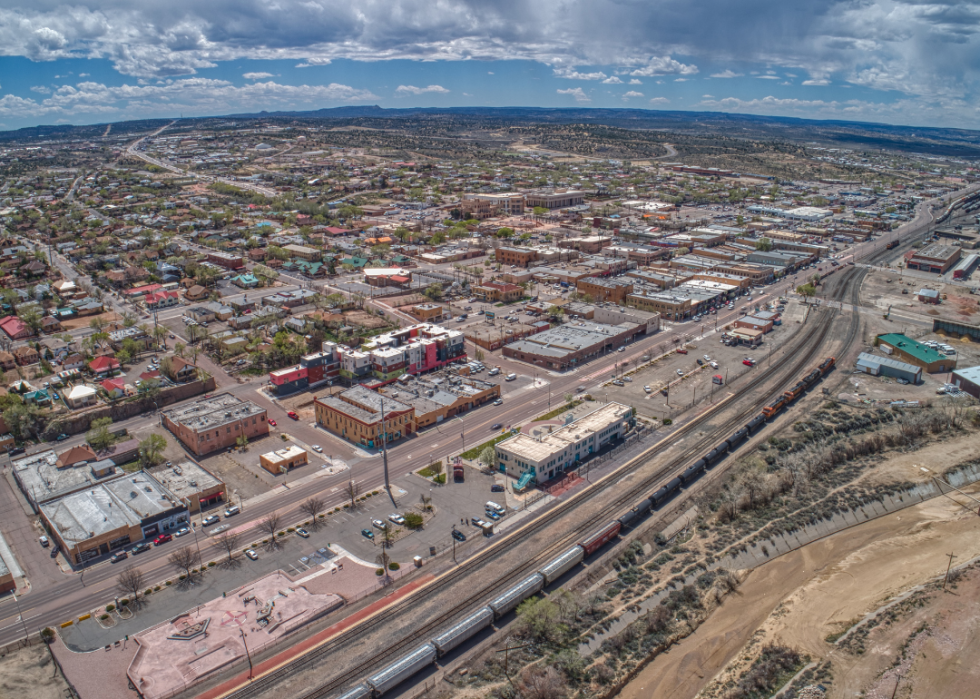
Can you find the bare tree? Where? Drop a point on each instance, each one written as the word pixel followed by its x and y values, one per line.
pixel 131 582
pixel 185 559
pixel 270 525
pixel 384 560
pixel 229 542
pixel 538 682
pixel 313 507
pixel 352 492
pixel 387 538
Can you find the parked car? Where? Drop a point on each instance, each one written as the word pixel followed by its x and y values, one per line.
pixel 378 524
pixel 748 362
pixel 617 382
pixel 681 350
pixel 496 488
pixel 627 379
pixel 232 511
pixel 162 539
pixel 61 437
pixel 700 362
pixel 251 554
pixel 317 448
pixel 293 415
pixel 622 349
pixel 44 541
pixel 272 422
pixel 303 533
pixel 647 389
pixel 118 556
pixel 458 535
pixel 493 515
pixel 209 520
pixel 680 372
pixel 396 519
pixel 139 548
pixel 367 533
pixel 182 531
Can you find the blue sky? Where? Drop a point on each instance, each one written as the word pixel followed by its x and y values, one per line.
pixel 905 62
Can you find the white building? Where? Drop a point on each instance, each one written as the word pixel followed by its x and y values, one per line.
pixel 541 458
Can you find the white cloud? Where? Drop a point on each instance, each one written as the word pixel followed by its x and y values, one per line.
pixel 612 81
pixel 256 76
pixel 41 89
pixel 816 82
pixel 412 90
pixel 576 92
pixel 659 100
pixel 314 62
pixel 681 80
pixel 707 97
pixel 768 77
pixel 664 66
pixel 636 81
pixel 727 74
pixel 632 93
pixel 490 72
pixel 573 74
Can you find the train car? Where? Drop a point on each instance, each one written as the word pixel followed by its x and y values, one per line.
pixel 596 540
pixel 403 668
pixel 630 518
pixel 795 391
pixel 518 593
pixel 755 423
pixel 561 565
pixel 892 244
pixel 773 408
pixel 359 692
pixel 811 378
pixel 660 496
pixel 738 437
pixel 692 473
pixel 464 630
pixel 827 365
pixel 673 486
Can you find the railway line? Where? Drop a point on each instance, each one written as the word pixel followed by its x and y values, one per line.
pixel 802 353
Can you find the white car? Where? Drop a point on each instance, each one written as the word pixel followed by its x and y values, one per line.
pixel 182 531
pixel 378 524
pixel 707 358
pixel 647 389
pixel 317 448
pixel 396 519
pixel 251 554
pixel 680 372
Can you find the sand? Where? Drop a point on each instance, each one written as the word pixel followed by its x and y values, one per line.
pixel 30 672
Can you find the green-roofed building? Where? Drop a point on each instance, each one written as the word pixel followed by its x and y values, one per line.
pixel 355 262
pixel 906 349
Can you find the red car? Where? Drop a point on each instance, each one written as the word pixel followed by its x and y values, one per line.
pixel 748 362
pixel 272 422
pixel 162 539
pixel 293 415
pixel 682 351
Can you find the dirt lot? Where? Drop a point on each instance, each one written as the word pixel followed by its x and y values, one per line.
pixel 884 289
pixel 801 598
pixel 30 672
pixel 360 319
pixel 84 321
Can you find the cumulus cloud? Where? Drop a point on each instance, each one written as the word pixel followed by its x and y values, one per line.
pixel 659 100
pixel 576 92
pixel 816 82
pixel 727 74
pixel 573 74
pixel 631 93
pixel 412 90
pixel 256 76
pixel 613 80
pixel 198 95
pixel 636 81
pixel 664 66
pixel 313 62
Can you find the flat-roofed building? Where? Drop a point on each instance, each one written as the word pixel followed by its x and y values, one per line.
pixel 498 292
pixel 441 396
pixel 356 413
pixel 192 484
pixel 506 204
pixel 542 457
pixel 968 380
pixel 934 258
pixel 908 350
pixel 303 252
pixel 521 257
pixel 592 244
pixel 671 305
pixel 40 477
pixel 613 290
pixel 556 199
pixel 216 423
pixel 284 460
pixel 574 343
pixel 429 312
pixel 226 260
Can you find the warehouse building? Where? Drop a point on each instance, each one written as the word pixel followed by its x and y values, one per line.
pixel 934 258
pixel 216 423
pixel 908 350
pixel 284 460
pixel 537 459
pixel 968 380
pixel 883 366
pixel 574 343
pixel 193 485
pixel 40 477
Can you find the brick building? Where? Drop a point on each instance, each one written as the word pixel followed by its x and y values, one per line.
pixel 216 423
pixel 934 258
pixel 614 290
pixel 499 292
pixel 355 415
pixel 522 257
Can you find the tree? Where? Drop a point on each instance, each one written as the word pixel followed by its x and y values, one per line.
pixel 312 507
pixel 99 435
pixel 479 355
pixel 352 491
pixel 123 357
pixel 242 442
pixel 488 457
pixel 569 398
pixel 413 520
pixel 24 421
pixel 763 245
pixel 270 525
pixel 505 232
pixel 32 318
pixel 538 618
pixel 229 542
pixel 383 560
pixel 433 291
pixel 131 582
pixel 806 290
pixel 541 211
pixel 151 450
pixel 815 279
pixel 185 559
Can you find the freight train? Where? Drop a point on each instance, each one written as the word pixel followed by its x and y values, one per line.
pixel 426 654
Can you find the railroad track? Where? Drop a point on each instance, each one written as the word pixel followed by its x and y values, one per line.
pixel 790 364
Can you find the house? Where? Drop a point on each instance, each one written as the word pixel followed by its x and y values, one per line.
pixel 498 292
pixel 26 355
pixel 73 361
pixel 15 328
pixel 200 314
pixel 220 311
pixel 7 361
pixel 161 299
pixel 103 366
pixel 195 293
pixel 180 369
pixel 245 281
pixel 40 397
pixel 50 324
pixel 76 455
pixel 114 388
pixel 80 396
pixel 928 296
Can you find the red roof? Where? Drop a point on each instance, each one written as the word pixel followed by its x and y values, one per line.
pixel 100 364
pixel 160 296
pixel 145 289
pixel 146 375
pixel 400 279
pixel 114 385
pixel 336 231
pixel 12 325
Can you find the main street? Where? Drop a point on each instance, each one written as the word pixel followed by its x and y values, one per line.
pixel 55 598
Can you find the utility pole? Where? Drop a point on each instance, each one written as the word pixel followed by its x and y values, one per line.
pixel 948 566
pixel 384 443
pixel 247 654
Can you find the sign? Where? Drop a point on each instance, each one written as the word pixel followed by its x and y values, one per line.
pixel 490 315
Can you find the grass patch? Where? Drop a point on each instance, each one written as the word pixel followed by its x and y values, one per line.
pixel 474 453
pixel 559 411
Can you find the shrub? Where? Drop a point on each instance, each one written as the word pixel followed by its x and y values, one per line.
pixel 104 617
pixel 147 591
pixel 375 492
pixel 181 577
pixel 379 572
pixel 393 566
pixel 123 602
pixel 440 479
pixel 170 582
pixel 291 529
pixel 413 520
pixel 210 564
pixel 668 421
pixel 110 607
pixel 156 589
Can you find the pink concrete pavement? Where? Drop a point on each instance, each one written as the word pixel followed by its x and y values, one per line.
pixel 305 646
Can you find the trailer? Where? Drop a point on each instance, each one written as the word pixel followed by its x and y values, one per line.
pixel 514 596
pixel 597 540
pixel 561 565
pixel 403 668
pixel 464 630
